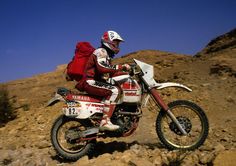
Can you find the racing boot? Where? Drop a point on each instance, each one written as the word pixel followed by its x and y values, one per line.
pixel 106 122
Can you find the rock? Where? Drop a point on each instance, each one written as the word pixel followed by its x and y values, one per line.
pixel 217 134
pixel 226 158
pixel 206 158
pixel 27 153
pixel 172 156
pixel 208 146
pixel 43 144
pixel 52 152
pixel 219 148
pixel 206 84
pixel 106 159
pixel 225 130
pixel 126 158
pixel 29 162
pixel 13 131
pixel 164 159
pixel 230 99
pixel 157 161
pixel 190 160
pixel 141 161
pixel 135 148
pixel 40 119
pixel 225 139
pixel 17 163
pixel 5 157
pixel 83 161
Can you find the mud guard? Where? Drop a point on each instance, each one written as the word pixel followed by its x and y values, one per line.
pixel 162 86
pixel 171 84
pixel 55 100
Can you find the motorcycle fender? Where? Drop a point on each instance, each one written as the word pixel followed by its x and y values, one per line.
pixel 172 84
pixel 55 100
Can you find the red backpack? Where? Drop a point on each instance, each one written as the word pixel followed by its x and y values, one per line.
pixel 76 67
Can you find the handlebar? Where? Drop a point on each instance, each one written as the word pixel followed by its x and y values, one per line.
pixel 134 69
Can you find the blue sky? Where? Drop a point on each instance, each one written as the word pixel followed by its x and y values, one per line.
pixel 38 35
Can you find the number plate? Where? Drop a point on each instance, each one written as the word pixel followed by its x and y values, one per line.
pixel 71 111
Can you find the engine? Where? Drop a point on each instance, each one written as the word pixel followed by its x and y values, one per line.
pixel 127 117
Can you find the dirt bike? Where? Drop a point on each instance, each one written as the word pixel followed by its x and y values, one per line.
pixel 180 124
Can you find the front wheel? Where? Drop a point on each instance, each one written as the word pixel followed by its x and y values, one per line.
pixel 66 140
pixel 191 117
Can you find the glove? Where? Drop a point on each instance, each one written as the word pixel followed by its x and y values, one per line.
pixel 126 67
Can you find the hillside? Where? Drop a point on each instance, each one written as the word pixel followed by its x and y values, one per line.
pixel 211 74
pixel 221 43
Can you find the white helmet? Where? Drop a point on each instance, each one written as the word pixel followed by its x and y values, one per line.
pixel 110 38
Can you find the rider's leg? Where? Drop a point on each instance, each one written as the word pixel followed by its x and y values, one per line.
pixel 111 94
pixel 106 122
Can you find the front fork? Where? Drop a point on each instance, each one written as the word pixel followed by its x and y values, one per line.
pixel 162 104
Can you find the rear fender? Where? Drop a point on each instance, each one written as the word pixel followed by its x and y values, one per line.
pixel 57 98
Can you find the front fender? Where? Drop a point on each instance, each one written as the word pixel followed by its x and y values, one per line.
pixel 162 86
pixel 171 84
pixel 55 100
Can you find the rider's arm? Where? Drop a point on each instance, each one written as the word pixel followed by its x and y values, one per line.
pixel 102 63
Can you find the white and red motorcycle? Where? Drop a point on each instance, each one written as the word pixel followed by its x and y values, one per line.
pixel 180 124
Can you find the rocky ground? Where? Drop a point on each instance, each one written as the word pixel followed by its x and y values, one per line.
pixel 211 74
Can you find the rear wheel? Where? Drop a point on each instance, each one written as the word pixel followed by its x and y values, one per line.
pixel 65 138
pixel 191 117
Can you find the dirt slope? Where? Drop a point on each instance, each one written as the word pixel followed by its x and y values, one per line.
pixel 211 74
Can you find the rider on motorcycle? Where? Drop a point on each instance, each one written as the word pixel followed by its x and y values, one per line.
pixel 98 66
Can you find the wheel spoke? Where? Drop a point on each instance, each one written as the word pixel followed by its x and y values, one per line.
pixel 191 118
pixel 64 139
